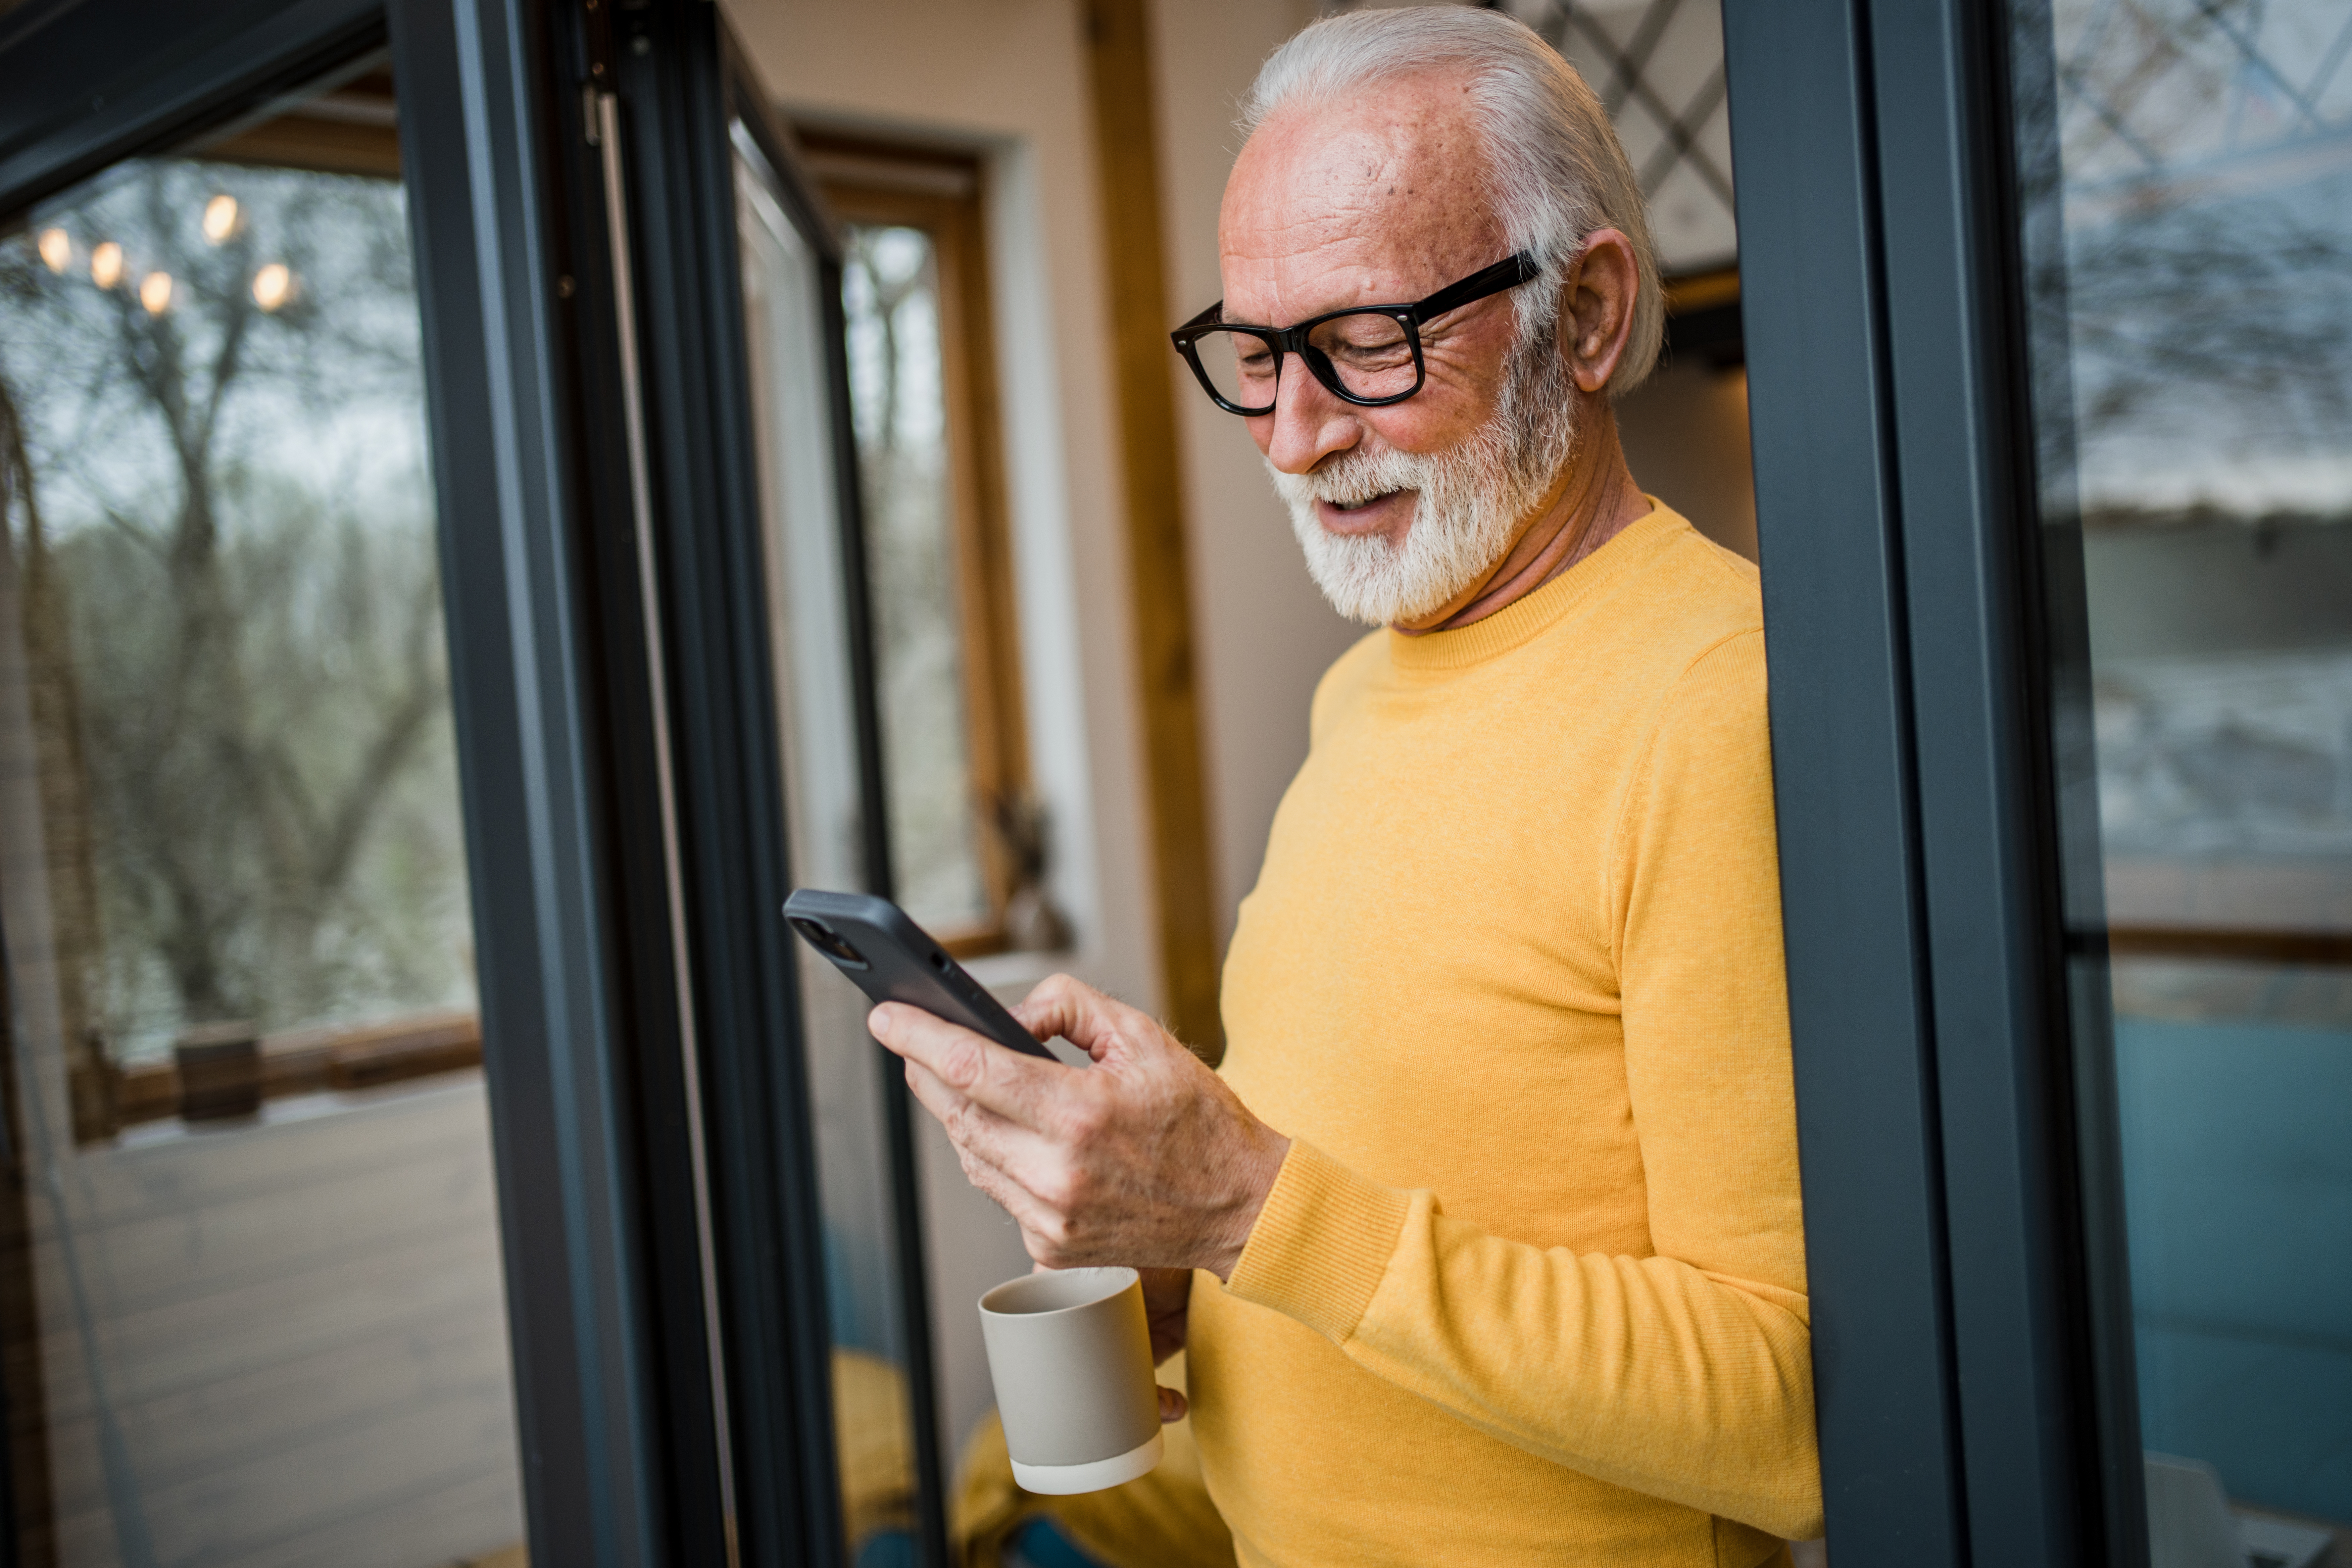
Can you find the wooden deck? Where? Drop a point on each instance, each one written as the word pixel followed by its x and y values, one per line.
pixel 280 1343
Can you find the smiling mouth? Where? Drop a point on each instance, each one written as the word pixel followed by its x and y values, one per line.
pixel 1369 501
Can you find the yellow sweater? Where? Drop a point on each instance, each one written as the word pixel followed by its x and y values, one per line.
pixel 1531 1285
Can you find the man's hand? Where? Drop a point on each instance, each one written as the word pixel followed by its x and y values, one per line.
pixel 1168 1307
pixel 1146 1159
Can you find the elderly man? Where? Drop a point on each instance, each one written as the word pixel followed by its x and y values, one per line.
pixel 1487 1239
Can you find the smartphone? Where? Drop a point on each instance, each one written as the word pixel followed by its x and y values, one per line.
pixel 891 959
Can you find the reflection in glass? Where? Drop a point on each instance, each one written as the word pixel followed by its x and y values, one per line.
pixel 253 1311
pixel 2188 185
pixel 807 598
pixel 891 290
pixel 232 527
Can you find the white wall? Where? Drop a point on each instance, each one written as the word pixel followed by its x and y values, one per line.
pixel 1005 77
pixel 1262 633
pixel 1686 435
pixel 1008 76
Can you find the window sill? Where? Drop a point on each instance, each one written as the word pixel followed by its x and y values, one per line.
pixel 333 1065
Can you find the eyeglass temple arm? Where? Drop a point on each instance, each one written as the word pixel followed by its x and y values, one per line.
pixel 1507 273
pixel 1215 316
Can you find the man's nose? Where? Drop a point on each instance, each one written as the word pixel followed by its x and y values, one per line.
pixel 1307 425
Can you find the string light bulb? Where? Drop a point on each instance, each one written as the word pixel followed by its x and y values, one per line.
pixel 106 264
pixel 273 286
pixel 56 250
pixel 155 292
pixel 220 218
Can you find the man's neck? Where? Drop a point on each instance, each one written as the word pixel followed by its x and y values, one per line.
pixel 1598 499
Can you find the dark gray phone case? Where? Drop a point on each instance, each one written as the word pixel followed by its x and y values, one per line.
pixel 891 959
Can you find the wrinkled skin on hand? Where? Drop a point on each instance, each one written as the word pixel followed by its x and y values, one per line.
pixel 1146 1159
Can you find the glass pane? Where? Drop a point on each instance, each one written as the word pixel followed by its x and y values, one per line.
pixel 255 1313
pixel 848 1073
pixel 2188 185
pixel 898 401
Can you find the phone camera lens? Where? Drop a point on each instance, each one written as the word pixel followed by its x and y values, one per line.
pixel 828 940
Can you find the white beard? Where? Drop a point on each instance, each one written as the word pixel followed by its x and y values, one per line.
pixel 1474 498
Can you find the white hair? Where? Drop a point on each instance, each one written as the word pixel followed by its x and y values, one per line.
pixel 1557 168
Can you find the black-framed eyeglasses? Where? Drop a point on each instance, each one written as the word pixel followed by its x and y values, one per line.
pixel 1369 356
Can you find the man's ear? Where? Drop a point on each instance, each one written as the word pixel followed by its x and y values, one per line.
pixel 1596 315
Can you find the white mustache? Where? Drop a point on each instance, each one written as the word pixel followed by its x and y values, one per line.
pixel 1354 477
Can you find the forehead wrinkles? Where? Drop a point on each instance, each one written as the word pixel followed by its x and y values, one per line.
pixel 1328 208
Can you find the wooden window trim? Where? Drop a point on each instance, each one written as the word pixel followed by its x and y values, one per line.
pixel 1688 293
pixel 942 193
pixel 1117 38
pixel 353 129
pixel 2238 944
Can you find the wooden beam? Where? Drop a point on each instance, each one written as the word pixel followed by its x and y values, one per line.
pixel 345 1057
pixel 1118 60
pixel 2300 949
pixel 1694 291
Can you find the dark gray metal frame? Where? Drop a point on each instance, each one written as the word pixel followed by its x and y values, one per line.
pixel 678 83
pixel 779 150
pixel 532 742
pixel 622 1392
pixel 1960 1186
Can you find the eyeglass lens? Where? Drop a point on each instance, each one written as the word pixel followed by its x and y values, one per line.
pixel 1369 355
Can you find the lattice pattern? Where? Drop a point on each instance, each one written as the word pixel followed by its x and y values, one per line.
pixel 1658 66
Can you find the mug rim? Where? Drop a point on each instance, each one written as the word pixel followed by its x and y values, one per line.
pixel 1113 1291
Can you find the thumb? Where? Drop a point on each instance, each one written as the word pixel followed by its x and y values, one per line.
pixel 1172 1404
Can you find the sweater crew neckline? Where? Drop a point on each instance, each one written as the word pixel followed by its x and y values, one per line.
pixel 1525 618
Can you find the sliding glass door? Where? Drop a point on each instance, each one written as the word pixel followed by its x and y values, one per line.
pixel 255 1313
pixel 2047 309
pixel 792 337
pixel 2189 189
pixel 410 1153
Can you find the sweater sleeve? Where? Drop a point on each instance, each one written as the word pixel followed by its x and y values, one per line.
pixel 1685 1375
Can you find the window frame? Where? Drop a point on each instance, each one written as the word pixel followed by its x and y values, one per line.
pixel 600 1325
pixel 676 99
pixel 944 193
pixel 1961 1174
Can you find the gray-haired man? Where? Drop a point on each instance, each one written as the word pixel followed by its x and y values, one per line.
pixel 1520 1276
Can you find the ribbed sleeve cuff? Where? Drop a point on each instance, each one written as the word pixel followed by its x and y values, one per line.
pixel 1321 1244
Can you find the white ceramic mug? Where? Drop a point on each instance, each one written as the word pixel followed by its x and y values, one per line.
pixel 1070 1354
